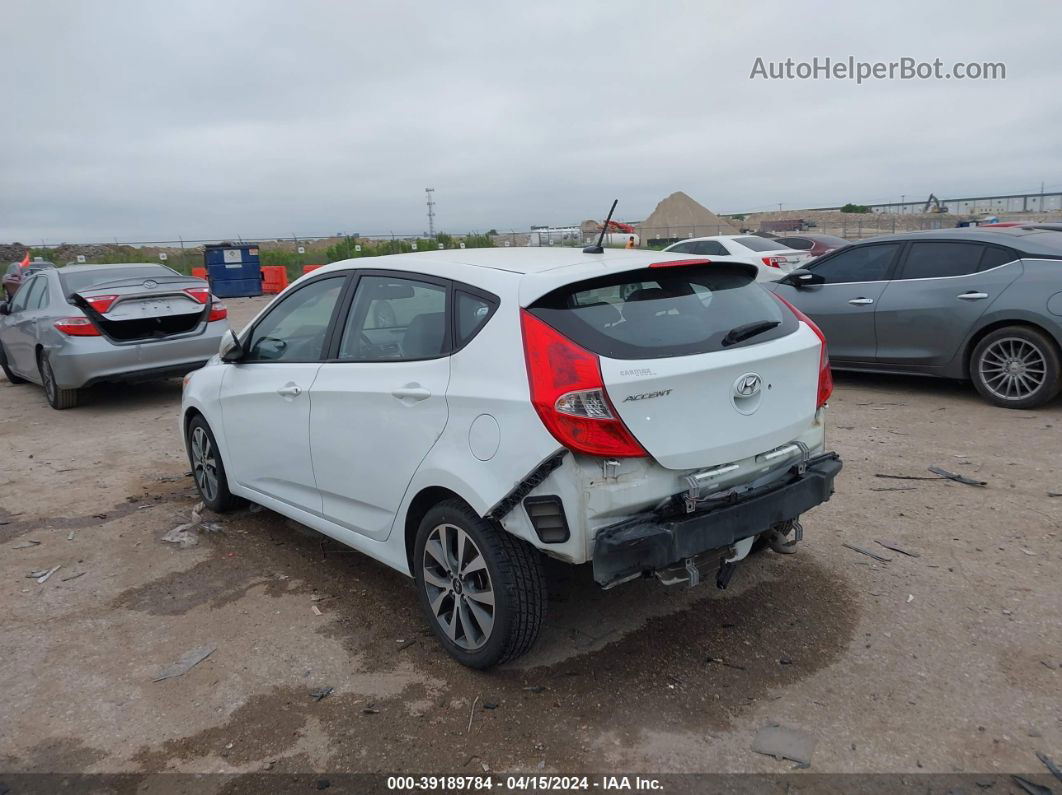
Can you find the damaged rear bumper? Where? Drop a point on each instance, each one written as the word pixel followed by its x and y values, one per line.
pixel 645 544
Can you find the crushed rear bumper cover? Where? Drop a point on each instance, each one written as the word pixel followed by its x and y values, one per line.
pixel 647 543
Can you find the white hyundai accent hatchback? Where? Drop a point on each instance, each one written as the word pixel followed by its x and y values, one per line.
pixel 458 414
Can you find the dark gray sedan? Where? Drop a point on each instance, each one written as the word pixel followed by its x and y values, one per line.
pixel 69 328
pixel 977 304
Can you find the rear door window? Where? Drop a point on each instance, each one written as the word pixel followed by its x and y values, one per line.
pixel 707 247
pixel 871 263
pixel 40 298
pixel 759 243
pixel 995 256
pixel 938 259
pixel 662 312
pixel 681 248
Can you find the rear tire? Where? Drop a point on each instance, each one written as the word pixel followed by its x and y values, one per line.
pixel 14 379
pixel 482 590
pixel 58 398
pixel 208 470
pixel 1016 367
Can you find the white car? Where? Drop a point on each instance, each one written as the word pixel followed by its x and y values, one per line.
pixel 772 259
pixel 457 415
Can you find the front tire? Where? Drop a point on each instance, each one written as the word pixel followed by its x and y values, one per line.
pixel 58 398
pixel 1016 367
pixel 208 470
pixel 482 590
pixel 8 373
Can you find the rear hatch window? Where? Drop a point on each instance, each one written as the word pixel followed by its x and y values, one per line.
pixel 662 312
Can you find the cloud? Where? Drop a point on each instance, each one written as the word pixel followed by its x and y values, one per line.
pixel 146 121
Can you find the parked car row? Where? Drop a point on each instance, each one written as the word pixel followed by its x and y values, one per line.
pixel 69 328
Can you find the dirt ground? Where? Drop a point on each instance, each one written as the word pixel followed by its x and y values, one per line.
pixel 943 661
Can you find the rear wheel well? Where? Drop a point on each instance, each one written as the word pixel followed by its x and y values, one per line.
pixel 418 508
pixel 982 333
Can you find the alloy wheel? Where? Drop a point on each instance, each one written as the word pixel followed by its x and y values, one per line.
pixel 204 463
pixel 1013 368
pixel 459 588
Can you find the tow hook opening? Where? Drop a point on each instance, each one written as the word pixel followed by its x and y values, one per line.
pixel 778 537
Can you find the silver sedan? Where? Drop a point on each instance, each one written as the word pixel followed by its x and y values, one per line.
pixel 70 328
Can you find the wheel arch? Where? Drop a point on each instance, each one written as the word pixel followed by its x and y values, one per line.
pixel 419 506
pixel 190 414
pixel 996 325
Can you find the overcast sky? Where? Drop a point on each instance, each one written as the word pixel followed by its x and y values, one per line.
pixel 148 120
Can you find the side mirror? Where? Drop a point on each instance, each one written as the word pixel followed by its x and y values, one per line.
pixel 5 308
pixel 801 277
pixel 230 349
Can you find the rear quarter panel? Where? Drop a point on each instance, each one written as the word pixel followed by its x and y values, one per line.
pixel 489 388
pixel 1024 301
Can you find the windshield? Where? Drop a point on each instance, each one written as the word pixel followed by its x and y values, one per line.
pixel 77 281
pixel 662 312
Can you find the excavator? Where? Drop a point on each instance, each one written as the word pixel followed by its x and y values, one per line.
pixel 933 205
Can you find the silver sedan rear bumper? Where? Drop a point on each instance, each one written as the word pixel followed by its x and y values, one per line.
pixel 84 361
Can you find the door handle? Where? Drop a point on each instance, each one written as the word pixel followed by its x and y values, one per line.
pixel 972 296
pixel 412 393
pixel 861 301
pixel 290 390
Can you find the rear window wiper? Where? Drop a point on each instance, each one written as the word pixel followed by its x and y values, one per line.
pixel 742 333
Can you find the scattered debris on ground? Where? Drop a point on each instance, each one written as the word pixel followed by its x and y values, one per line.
pixel 783 742
pixel 471 713
pixel 895 547
pixel 957 478
pixel 27 544
pixel 321 692
pixel 867 552
pixel 183 535
pixel 42 576
pixel 1031 787
pixel 189 660
pixel 1050 765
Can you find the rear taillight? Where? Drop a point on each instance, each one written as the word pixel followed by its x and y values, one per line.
pixel 773 262
pixel 217 312
pixel 568 393
pixel 77 327
pixel 198 294
pixel 101 303
pixel 825 376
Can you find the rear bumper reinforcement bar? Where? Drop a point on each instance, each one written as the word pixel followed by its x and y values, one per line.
pixel 646 543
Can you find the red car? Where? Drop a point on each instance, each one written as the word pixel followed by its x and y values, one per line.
pixel 816 245
pixel 16 273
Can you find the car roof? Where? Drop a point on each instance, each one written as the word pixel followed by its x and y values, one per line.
pixel 116 266
pixel 1029 241
pixel 536 271
pixel 718 237
pixel 516 260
